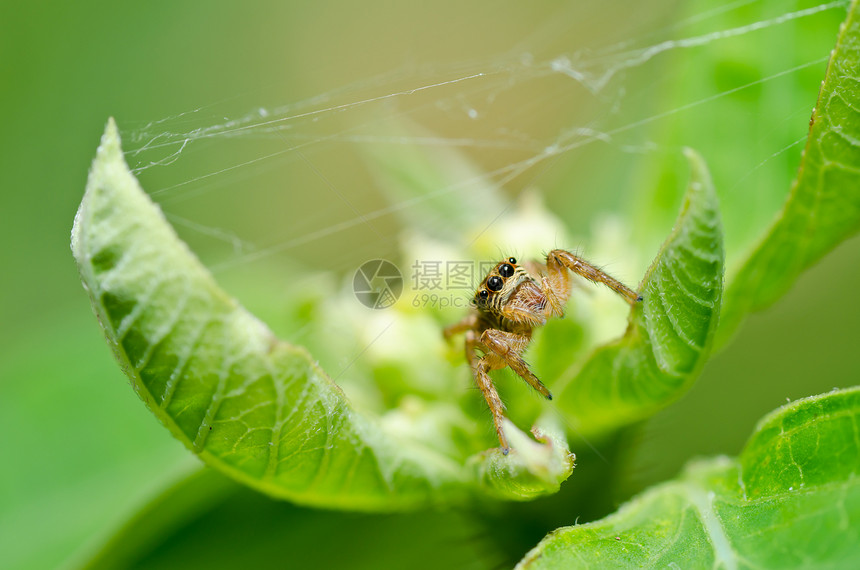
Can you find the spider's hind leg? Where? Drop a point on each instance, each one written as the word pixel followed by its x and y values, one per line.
pixel 491 395
pixel 480 369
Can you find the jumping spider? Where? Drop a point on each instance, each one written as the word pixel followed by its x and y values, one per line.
pixel 508 305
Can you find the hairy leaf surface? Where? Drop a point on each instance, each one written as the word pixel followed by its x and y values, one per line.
pixel 792 499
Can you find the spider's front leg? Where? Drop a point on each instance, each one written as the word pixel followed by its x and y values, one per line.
pixel 558 260
pixel 464 325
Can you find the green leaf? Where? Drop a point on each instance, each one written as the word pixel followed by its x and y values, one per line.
pixel 823 207
pixel 792 499
pixel 250 405
pixel 670 332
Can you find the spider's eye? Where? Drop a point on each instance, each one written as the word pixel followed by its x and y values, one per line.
pixel 512 260
pixel 506 270
pixel 483 294
pixel 494 283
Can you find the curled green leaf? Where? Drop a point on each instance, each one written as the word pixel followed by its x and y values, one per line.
pixel 670 332
pixel 544 460
pixel 792 499
pixel 250 405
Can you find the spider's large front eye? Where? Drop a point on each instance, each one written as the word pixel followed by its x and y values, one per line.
pixel 494 283
pixel 506 270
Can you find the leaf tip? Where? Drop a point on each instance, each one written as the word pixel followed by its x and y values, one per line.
pixel 108 153
pixel 110 144
pixel 700 178
pixel 693 155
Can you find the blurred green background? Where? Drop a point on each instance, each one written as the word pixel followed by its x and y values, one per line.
pixel 80 451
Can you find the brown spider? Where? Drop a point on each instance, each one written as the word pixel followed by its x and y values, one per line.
pixel 508 305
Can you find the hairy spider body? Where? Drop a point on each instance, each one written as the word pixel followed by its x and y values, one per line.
pixel 509 304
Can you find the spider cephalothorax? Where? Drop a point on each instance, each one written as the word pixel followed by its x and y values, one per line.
pixel 509 304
